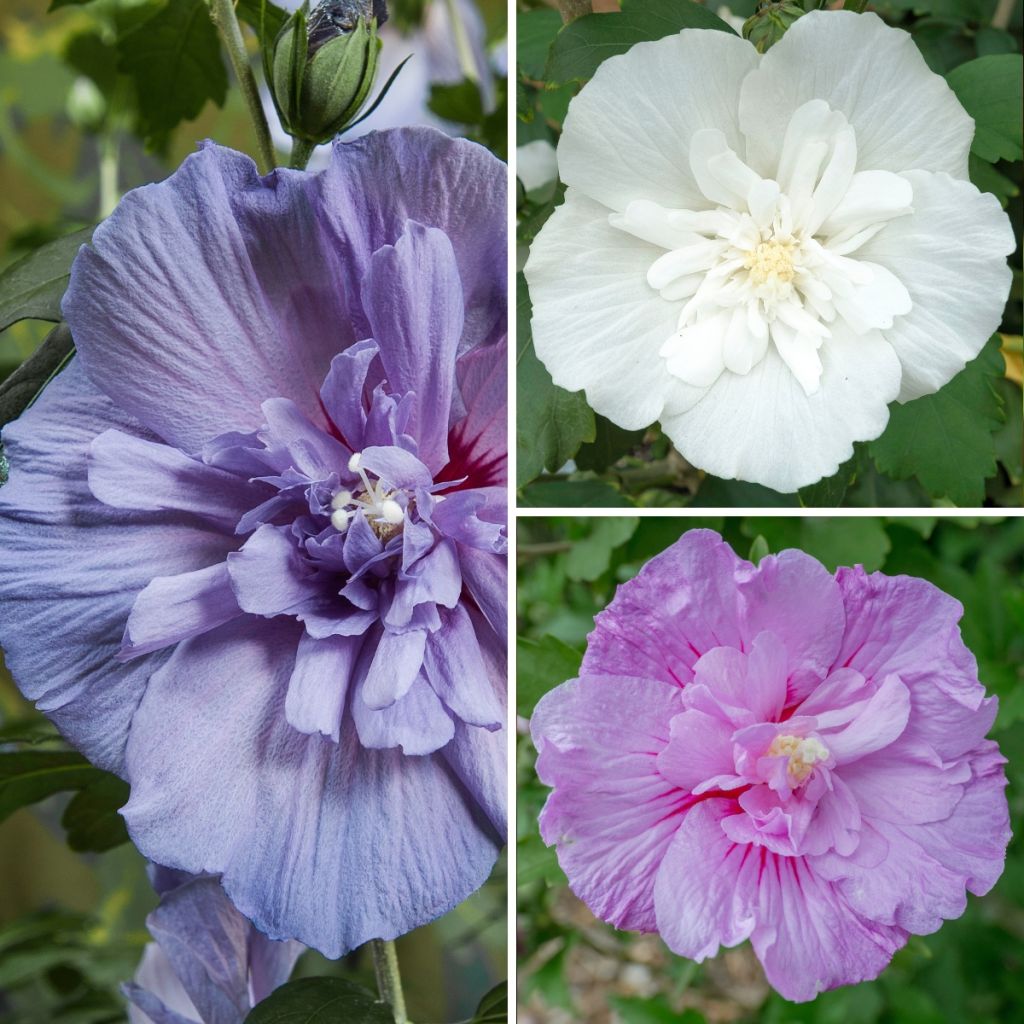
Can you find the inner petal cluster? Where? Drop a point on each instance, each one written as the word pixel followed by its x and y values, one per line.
pixel 771 261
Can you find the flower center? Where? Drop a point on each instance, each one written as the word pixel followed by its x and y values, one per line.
pixel 769 261
pixel 803 753
pixel 384 514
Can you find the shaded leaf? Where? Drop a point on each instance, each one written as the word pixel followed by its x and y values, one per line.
pixel 541 665
pixel 249 12
pixel 20 389
pixel 582 45
pixel 946 439
pixel 535 32
pixel 493 1008
pixel 91 819
pixel 610 443
pixel 28 776
pixel 992 92
pixel 320 1001
pixel 31 288
pixel 572 494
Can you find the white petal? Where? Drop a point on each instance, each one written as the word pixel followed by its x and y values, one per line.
pixel 651 223
pixel 763 201
pixel 746 339
pixel 627 134
pixel 905 115
pixel 812 123
pixel 800 354
pixel 873 305
pixel 691 260
pixel 763 428
pixel 836 179
pixel 536 165
pixel 950 253
pixel 873 197
pixel 597 324
pixel 696 354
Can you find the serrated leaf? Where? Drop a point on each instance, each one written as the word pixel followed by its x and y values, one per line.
pixel 591 556
pixel 535 32
pixel 946 439
pixel 585 43
pixel 541 665
pixel 320 1001
pixel 991 90
pixel 175 61
pixel 91 819
pixel 31 288
pixel 22 387
pixel 551 424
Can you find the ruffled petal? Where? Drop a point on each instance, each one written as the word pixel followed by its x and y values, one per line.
pixel 203 295
pixel 905 116
pixel 611 814
pixel 627 134
pixel 319 683
pixel 318 841
pixel 75 567
pixel 950 254
pixel 764 428
pixel 597 324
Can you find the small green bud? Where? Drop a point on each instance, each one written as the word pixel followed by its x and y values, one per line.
pixel 321 67
pixel 86 105
pixel 768 24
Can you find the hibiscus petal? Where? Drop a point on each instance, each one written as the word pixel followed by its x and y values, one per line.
pixel 323 842
pixel 320 682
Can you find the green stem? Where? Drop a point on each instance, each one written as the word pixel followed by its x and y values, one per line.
pixel 109 194
pixel 301 152
pixel 224 17
pixel 1003 14
pixel 389 981
pixel 467 62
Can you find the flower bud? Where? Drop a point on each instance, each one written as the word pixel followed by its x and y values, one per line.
pixel 768 24
pixel 321 66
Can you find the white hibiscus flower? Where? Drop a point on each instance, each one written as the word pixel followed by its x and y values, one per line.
pixel 762 252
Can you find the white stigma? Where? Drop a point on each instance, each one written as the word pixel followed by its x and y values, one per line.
pixel 384 514
pixel 803 753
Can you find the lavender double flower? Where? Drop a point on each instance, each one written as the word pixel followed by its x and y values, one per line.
pixel 255 531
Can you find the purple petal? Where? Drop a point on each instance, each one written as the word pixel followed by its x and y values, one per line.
pixel 413 298
pixel 206 294
pixel 397 468
pixel 345 381
pixel 699 749
pixel 417 722
pixel 319 684
pixel 611 827
pixel 327 843
pixel 268 574
pixel 171 608
pixel 129 472
pixel 882 721
pixel 75 566
pixel 486 579
pixel 395 665
pixel 305 447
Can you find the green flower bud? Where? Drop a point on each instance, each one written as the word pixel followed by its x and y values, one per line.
pixel 86 105
pixel 768 24
pixel 321 67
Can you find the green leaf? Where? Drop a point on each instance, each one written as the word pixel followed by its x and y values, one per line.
pixel 946 439
pixel 829 493
pixel 28 776
pixel 758 549
pixel 320 1001
pixel 992 92
pixel 610 443
pixel 655 1010
pixel 249 12
pixel 859 540
pixel 590 556
pixel 33 731
pixel 175 61
pixel 551 424
pixel 986 178
pixel 31 288
pixel 493 1008
pixel 22 387
pixel 583 44
pixel 541 665
pixel 91 819
pixel 460 102
pixel 535 32
pixel 572 494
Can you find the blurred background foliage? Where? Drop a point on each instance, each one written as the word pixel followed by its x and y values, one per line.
pixel 97 98
pixel 961 447
pixel 575 968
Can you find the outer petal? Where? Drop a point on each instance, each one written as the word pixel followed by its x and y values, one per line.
pixel 612 814
pixel 807 936
pixel 762 427
pixel 698 595
pixel 950 254
pixel 206 294
pixel 323 842
pixel 597 325
pixel 73 567
pixel 904 114
pixel 706 889
pixel 157 995
pixel 627 134
pixel 376 184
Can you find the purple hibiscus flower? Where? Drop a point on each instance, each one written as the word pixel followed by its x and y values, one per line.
pixel 253 534
pixel 207 964
pixel 777 754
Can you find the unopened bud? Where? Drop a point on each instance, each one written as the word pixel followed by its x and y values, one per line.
pixel 768 24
